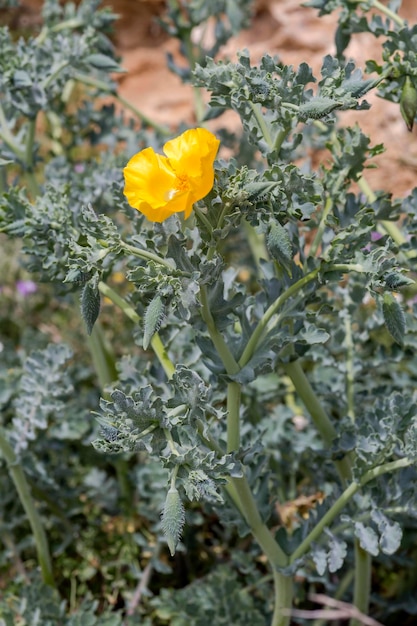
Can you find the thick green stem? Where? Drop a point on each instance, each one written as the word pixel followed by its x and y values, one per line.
pixel 23 489
pixel 103 360
pixel 233 416
pixel 283 599
pixel 283 585
pixel 260 531
pixel 320 418
pixel 350 376
pixel 362 585
pixel 221 346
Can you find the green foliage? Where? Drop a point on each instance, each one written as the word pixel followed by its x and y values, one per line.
pixel 263 387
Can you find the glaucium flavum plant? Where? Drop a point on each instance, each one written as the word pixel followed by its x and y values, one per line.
pixel 266 355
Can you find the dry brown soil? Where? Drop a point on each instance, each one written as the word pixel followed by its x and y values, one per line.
pixel 279 27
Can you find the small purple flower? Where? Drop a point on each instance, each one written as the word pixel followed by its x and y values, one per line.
pixel 375 235
pixel 26 287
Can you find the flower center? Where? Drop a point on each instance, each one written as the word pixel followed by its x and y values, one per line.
pixel 182 184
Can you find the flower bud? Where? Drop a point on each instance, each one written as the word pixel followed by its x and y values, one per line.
pixel 173 519
pixel 408 102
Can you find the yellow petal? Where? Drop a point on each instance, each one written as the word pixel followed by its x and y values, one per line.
pixel 148 179
pixel 192 154
pixel 159 186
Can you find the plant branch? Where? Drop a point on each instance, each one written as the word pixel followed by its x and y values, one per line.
pixel 384 9
pixel 362 584
pixel 22 487
pixel 228 360
pixel 320 418
pixel 146 255
pixel 343 499
pixel 156 343
pixel 291 291
pixel 99 84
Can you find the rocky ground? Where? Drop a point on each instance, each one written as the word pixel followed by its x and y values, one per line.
pixel 280 27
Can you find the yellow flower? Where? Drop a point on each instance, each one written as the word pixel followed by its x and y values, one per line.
pixel 159 186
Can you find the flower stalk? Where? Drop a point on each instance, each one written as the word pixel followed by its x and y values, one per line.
pixel 22 487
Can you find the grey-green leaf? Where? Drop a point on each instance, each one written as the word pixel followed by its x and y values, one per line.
pixel 90 306
pixel 279 245
pixel 394 318
pixel 103 62
pixel 368 538
pixel 154 315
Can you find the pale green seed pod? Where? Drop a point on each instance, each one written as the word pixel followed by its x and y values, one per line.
pixel 153 317
pixel 173 518
pixel 408 102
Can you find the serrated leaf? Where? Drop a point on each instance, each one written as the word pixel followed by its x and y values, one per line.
pixel 368 538
pixel 394 318
pixel 311 334
pixel 279 246
pixel 103 62
pixel 320 560
pixel 153 317
pixel 337 554
pixel 390 532
pixel 90 306
pixel 395 280
pixel 318 108
pixel 4 162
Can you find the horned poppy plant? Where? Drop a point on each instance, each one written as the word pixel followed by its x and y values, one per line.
pixel 159 186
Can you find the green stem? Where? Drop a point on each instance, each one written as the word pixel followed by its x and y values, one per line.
pixel 343 499
pixel 228 360
pixel 344 585
pixel 283 598
pixel 260 531
pixel 147 256
pixel 201 216
pixel 103 360
pixel 389 227
pixel 29 160
pixel 199 106
pixel 319 416
pixel 279 139
pixel 283 585
pixel 350 376
pixel 263 127
pixel 321 227
pixel 326 210
pixel 291 291
pixel 256 244
pixel 233 416
pixel 22 487
pixel 362 585
pixel 156 343
pixel 8 137
pixel 393 16
pixel 99 84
